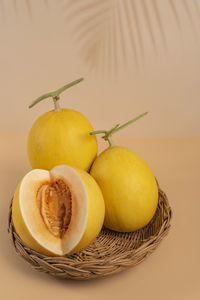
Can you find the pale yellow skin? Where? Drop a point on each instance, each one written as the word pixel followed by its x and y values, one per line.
pixel 95 217
pixel 129 189
pixel 96 211
pixel 62 137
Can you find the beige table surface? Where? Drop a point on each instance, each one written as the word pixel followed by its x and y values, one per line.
pixel 171 272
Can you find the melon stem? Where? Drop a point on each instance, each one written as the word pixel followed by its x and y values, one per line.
pixel 109 133
pixel 55 95
pixel 56 104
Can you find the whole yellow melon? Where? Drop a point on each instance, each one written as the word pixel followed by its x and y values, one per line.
pixel 128 186
pixel 61 136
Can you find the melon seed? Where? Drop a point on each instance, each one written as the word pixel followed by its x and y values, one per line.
pixel 55 203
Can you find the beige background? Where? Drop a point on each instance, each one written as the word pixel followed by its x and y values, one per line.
pixel 136 56
pixel 152 64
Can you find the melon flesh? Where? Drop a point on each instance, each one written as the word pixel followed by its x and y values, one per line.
pixel 55 212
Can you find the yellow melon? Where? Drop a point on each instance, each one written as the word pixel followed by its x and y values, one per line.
pixel 127 183
pixel 128 186
pixel 58 212
pixel 61 136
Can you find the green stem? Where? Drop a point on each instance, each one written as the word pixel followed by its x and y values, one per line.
pixel 55 95
pixel 97 132
pixel 130 122
pixel 110 141
pixel 40 99
pixel 56 104
pixel 65 87
pixel 109 133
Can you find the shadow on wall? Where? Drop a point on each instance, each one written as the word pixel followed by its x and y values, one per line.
pixel 111 33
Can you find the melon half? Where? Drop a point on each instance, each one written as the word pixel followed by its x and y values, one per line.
pixel 58 212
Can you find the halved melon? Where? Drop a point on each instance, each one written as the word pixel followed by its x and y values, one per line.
pixel 58 212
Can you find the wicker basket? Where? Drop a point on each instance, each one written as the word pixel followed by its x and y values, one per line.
pixel 110 253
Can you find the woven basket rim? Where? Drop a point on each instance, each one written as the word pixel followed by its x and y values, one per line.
pixel 93 263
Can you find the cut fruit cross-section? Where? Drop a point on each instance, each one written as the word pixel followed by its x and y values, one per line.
pixel 58 212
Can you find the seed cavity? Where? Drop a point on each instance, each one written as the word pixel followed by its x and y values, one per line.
pixel 55 204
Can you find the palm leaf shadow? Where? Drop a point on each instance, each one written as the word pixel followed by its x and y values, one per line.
pixel 149 25
pixel 16 4
pixel 175 14
pixel 159 21
pixel 104 27
pixel 196 5
pixel 190 17
pixel 29 8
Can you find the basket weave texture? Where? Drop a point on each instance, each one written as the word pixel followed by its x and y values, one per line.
pixel 110 253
